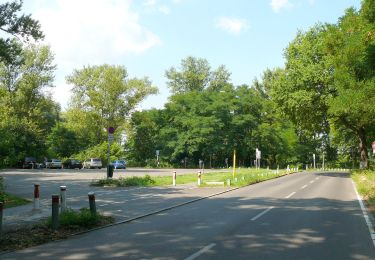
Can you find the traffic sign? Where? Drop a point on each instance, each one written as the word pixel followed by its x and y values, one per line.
pixel 111 130
pixel 110 137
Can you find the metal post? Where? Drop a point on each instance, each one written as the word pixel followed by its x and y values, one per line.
pixel 314 159
pixel 323 161
pixel 92 202
pixel 174 178
pixel 36 197
pixel 1 216
pixel 199 178
pixel 63 198
pixel 55 211
pixel 234 162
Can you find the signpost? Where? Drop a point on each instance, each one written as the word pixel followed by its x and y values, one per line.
pixel 157 157
pixel 111 131
pixel 258 155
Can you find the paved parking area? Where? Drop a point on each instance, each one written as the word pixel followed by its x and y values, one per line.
pixel 122 203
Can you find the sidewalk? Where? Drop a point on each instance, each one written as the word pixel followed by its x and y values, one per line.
pixel 121 203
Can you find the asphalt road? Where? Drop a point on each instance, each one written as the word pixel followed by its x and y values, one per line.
pixel 300 216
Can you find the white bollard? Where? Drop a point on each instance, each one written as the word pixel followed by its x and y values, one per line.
pixel 36 197
pixel 174 178
pixel 199 178
pixel 63 198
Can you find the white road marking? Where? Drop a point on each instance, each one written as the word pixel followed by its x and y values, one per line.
pixel 365 215
pixel 312 182
pixel 290 195
pixel 317 178
pixel 262 213
pixel 304 186
pixel 202 251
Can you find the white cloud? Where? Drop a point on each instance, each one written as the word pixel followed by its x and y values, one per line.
pixel 277 5
pixel 149 3
pixel 232 25
pixel 311 2
pixel 164 9
pixel 91 32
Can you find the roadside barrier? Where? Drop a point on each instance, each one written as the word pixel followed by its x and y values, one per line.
pixel 91 196
pixel 174 178
pixel 55 211
pixel 199 178
pixel 63 198
pixel 36 196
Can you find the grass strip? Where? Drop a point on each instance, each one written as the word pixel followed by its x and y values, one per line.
pixel 8 199
pixel 71 222
pixel 242 177
pixel 365 183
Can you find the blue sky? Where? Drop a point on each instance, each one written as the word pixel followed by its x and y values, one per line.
pixel 150 36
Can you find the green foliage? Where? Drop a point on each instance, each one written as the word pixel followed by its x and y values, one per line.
pixel 196 75
pixel 20 26
pixel 125 182
pixel 81 218
pixel 365 182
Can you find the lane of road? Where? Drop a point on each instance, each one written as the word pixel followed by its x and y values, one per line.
pixel 300 216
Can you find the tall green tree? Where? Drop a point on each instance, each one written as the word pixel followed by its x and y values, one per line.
pixel 16 25
pixel 103 96
pixel 195 74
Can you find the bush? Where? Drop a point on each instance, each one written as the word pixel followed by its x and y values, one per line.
pixel 125 182
pixel 81 218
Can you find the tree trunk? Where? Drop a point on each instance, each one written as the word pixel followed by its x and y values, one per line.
pixel 363 148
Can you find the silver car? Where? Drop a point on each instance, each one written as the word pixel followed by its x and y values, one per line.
pixel 93 163
pixel 54 164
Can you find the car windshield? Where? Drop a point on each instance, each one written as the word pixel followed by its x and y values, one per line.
pixel 96 160
pixel 55 160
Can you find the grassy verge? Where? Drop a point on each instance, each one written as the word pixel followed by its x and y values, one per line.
pixel 365 182
pixel 71 222
pixel 8 199
pixel 242 177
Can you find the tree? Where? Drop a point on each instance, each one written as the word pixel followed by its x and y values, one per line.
pixel 196 75
pixel 103 96
pixel 329 78
pixel 27 113
pixel 21 27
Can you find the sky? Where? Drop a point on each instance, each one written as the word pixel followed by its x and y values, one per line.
pixel 149 37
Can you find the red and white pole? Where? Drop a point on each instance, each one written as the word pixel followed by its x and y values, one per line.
pixel 36 197
pixel 199 178
pixel 63 198
pixel 174 178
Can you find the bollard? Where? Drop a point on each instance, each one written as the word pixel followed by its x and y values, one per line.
pixel 63 198
pixel 228 182
pixel 55 211
pixel 174 178
pixel 235 179
pixel 36 197
pixel 199 178
pixel 243 178
pixel 1 216
pixel 277 171
pixel 92 202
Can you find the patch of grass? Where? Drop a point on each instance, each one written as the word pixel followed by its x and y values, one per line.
pixel 10 200
pixel 125 182
pixel 71 222
pixel 365 182
pixel 242 177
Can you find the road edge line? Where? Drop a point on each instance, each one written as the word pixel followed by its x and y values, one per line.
pixel 365 214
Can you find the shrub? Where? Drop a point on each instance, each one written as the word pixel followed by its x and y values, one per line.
pixel 81 218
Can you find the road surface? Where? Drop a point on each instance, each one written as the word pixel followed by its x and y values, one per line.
pixel 300 216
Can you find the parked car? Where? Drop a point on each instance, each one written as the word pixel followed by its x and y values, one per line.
pixel 119 164
pixel 93 163
pixel 29 163
pixel 53 164
pixel 72 164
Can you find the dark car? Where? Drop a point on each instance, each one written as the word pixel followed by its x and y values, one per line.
pixel 29 163
pixel 72 164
